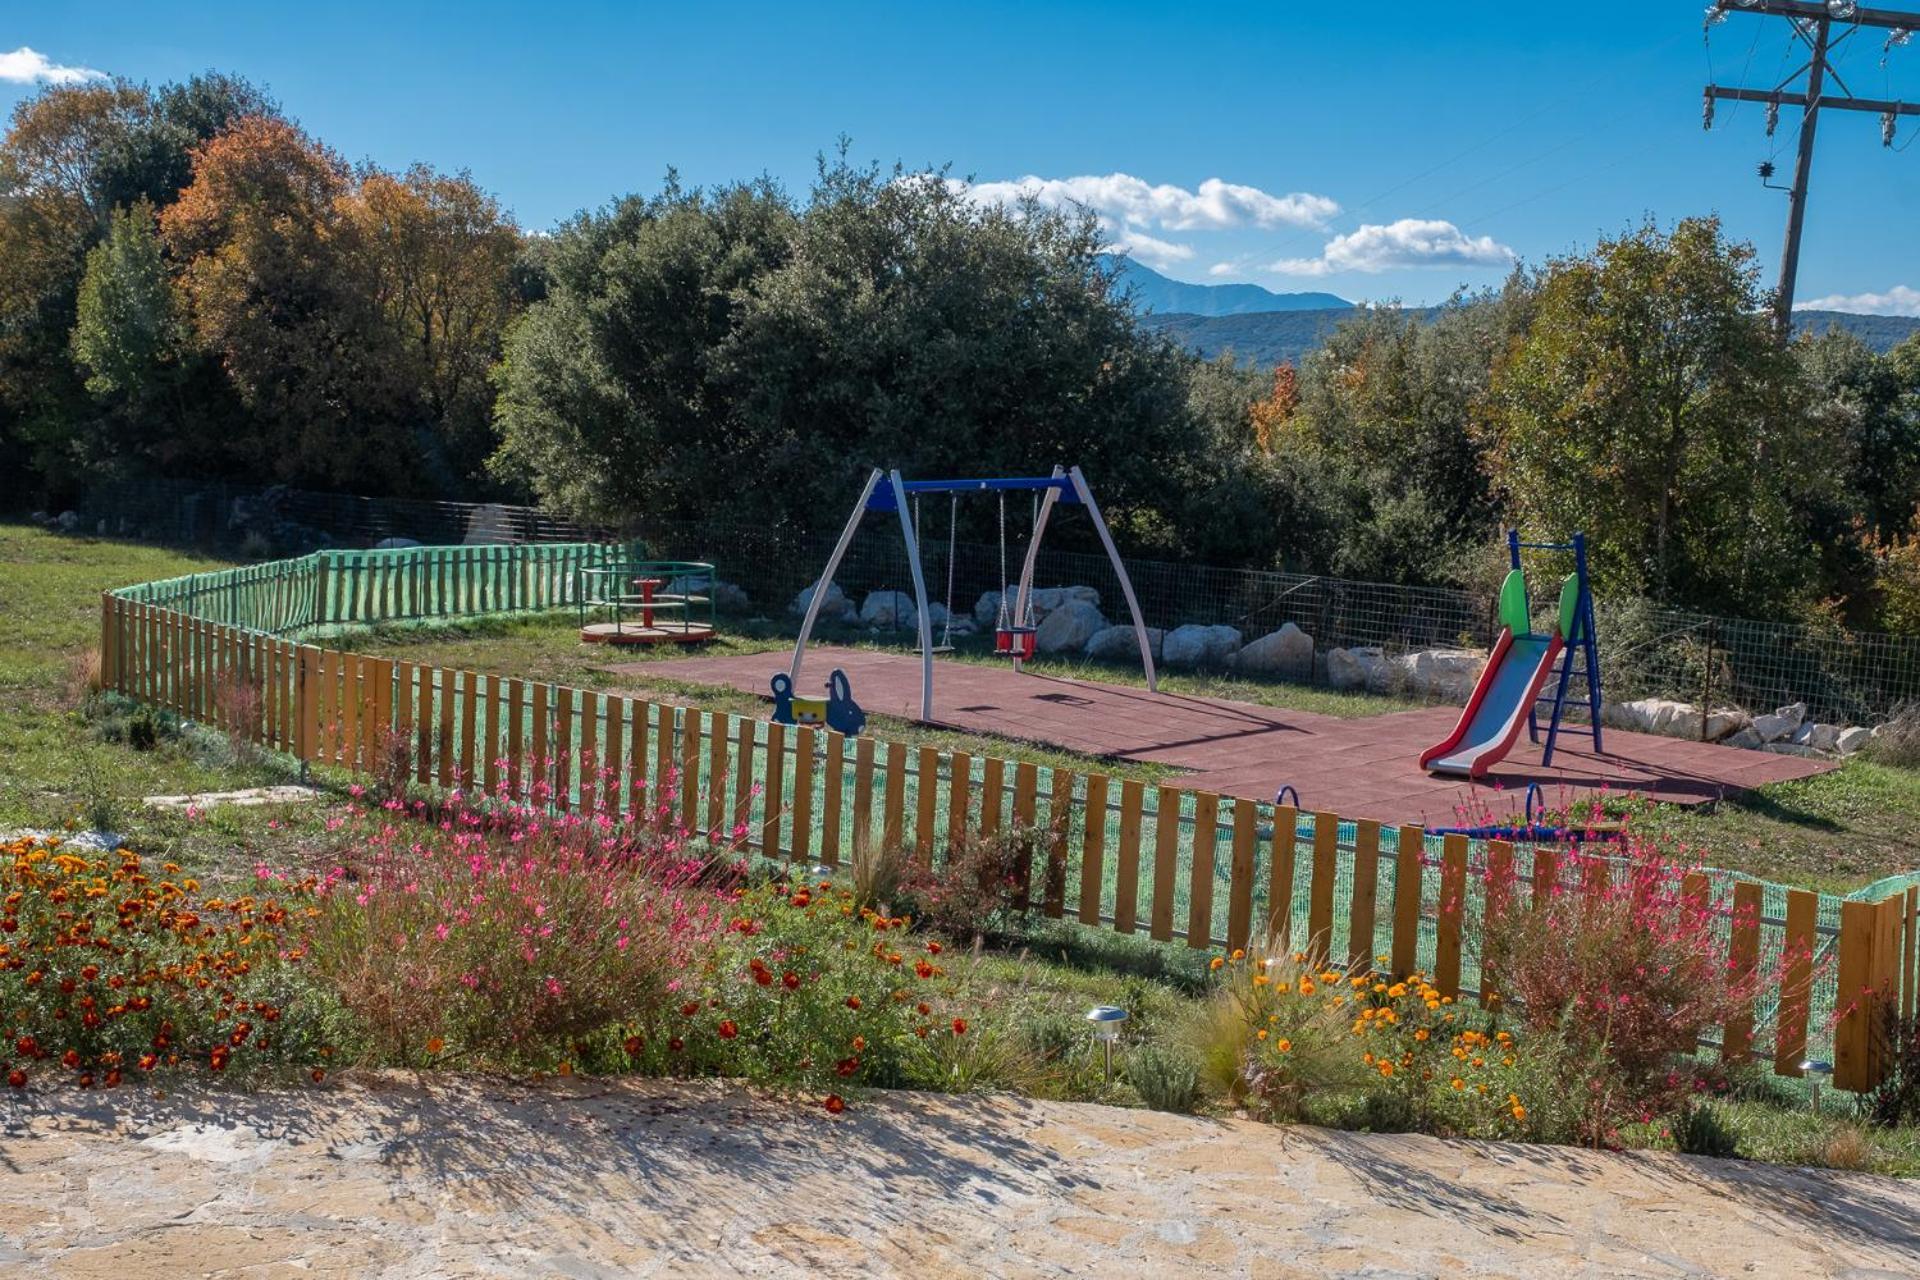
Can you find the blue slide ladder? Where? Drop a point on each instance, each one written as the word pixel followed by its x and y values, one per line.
pixel 1579 659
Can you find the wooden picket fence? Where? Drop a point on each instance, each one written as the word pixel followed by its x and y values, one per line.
pixel 231 651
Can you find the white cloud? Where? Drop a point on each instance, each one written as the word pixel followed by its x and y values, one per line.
pixel 1222 269
pixel 1410 242
pixel 1150 249
pixel 1897 301
pixel 1214 206
pixel 29 66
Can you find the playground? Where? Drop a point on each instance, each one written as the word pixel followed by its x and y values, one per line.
pixel 1358 766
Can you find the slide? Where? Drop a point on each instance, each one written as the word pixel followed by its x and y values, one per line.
pixel 1498 709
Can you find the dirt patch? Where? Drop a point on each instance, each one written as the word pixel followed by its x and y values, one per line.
pixel 389 1177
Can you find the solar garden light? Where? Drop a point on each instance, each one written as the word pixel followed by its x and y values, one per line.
pixel 1105 1020
pixel 1813 1069
pixel 820 871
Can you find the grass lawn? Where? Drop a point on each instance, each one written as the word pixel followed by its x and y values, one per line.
pixel 1835 832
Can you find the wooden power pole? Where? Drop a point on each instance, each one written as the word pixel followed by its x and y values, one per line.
pixel 1814 24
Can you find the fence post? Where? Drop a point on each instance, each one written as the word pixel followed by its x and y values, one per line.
pixel 1869 951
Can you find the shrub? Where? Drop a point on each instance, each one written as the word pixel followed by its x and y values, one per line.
pixel 1627 972
pixel 972 895
pixel 1895 1100
pixel 1166 1079
pixel 1281 1031
pixel 106 969
pixel 504 936
pixel 802 990
pixel 1898 741
pixel 1700 1129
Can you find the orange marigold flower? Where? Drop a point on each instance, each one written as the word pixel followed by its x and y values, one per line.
pixel 727 1029
pixel 633 1045
pixel 923 969
pixel 859 1044
pixel 923 1008
pixel 1215 963
pixel 790 980
pixel 933 948
pixel 17 1078
pixel 436 1044
pixel 676 1044
pixel 318 1074
pixel 70 1059
pixel 834 1104
pixel 853 1002
pixel 959 1026
pixel 1284 1046
pixel 690 1008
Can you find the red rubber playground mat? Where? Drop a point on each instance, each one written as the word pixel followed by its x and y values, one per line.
pixel 1364 768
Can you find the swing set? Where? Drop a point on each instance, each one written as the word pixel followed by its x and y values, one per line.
pixel 1015 634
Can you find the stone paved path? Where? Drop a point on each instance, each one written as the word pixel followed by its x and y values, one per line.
pixel 389 1178
pixel 1362 768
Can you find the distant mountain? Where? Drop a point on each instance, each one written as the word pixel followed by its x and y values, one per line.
pixel 1268 338
pixel 1882 333
pixel 1154 292
pixel 1264 338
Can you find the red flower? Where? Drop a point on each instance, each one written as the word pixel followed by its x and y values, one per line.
pixel 922 968
pixel 933 948
pixel 846 1067
pixel 633 1045
pixel 70 1059
pixel 790 980
pixel 853 1002
pixel 690 1008
pixel 923 1008
pixel 727 1030
pixel 27 1047
pixel 318 1074
pixel 17 1078
pixel 676 1044
pixel 959 1026
pixel 90 972
pixel 112 1080
pixel 859 1044
pixel 218 1060
pixel 763 976
pixel 148 1061
pixel 834 1104
pixel 801 898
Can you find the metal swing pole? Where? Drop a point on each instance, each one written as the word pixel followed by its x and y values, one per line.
pixel 919 589
pixel 1033 554
pixel 833 564
pixel 1120 571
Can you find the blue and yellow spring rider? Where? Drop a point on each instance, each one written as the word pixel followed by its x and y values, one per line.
pixel 837 711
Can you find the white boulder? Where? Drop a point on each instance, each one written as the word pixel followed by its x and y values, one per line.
pixel 1445 674
pixel 1778 725
pixel 1288 651
pixel 1748 738
pixel 1119 644
pixel 1823 737
pixel 490 523
pixel 1041 601
pixel 1068 628
pixel 1198 646
pixel 888 609
pixel 834 607
pixel 1364 667
pixel 1848 741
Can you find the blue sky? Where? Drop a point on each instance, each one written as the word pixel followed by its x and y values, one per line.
pixel 1377 151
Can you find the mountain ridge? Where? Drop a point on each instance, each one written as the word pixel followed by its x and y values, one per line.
pixel 1150 291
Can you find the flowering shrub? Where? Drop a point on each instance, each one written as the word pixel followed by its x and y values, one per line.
pixel 107 971
pixel 1626 969
pixel 971 894
pixel 803 989
pixel 504 934
pixel 1292 1030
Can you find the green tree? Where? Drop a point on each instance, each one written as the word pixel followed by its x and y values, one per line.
pixel 124 327
pixel 1649 406
pixel 696 336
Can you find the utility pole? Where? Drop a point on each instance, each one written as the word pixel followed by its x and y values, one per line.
pixel 1813 25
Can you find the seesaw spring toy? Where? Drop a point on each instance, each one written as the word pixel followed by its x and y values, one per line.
pixel 837 711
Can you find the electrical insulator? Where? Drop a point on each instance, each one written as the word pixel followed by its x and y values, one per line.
pixel 1886 128
pixel 1773 117
pixel 1706 112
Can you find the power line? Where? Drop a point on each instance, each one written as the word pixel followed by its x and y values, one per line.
pixel 1813 26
